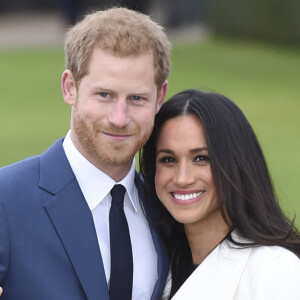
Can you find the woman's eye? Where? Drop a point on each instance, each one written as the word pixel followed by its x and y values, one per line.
pixel 166 160
pixel 202 159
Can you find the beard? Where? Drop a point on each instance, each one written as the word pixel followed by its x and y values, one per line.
pixel 97 148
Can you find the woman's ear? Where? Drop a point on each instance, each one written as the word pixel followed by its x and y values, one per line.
pixel 68 87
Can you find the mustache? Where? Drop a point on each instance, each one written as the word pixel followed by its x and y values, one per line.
pixel 117 131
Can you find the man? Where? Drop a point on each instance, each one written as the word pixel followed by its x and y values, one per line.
pixel 55 208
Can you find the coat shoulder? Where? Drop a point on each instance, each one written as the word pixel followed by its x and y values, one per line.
pixel 19 171
pixel 274 257
pixel 272 272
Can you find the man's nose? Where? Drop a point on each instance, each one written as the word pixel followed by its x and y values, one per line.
pixel 119 115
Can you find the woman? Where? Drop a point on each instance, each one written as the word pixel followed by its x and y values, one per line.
pixel 226 234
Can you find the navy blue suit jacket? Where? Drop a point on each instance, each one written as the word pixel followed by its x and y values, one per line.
pixel 48 242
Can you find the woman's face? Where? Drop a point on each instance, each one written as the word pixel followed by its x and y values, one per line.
pixel 183 179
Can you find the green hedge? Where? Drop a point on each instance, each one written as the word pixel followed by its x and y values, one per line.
pixel 269 20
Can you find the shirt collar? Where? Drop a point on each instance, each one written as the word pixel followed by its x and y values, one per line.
pixel 95 184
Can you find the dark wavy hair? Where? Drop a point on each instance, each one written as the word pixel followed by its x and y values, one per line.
pixel 243 185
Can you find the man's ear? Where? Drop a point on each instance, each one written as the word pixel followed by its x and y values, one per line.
pixel 68 87
pixel 161 95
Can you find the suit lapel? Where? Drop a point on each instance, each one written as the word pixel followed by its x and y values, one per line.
pixel 163 263
pixel 73 221
pixel 218 276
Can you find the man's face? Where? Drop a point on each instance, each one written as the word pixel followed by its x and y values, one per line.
pixel 114 110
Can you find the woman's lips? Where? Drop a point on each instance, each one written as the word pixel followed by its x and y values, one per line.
pixel 185 198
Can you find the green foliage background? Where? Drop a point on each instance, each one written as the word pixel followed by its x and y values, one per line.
pixel 272 20
pixel 264 80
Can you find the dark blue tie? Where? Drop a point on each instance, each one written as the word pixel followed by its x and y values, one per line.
pixel 121 272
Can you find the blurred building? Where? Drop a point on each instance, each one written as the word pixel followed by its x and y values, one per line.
pixel 266 20
pixel 43 23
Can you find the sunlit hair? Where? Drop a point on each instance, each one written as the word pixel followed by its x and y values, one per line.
pixel 119 31
pixel 243 185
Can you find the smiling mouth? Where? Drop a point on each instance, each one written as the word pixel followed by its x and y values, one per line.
pixel 116 135
pixel 186 197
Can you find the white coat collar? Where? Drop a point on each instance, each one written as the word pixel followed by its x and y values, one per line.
pixel 218 276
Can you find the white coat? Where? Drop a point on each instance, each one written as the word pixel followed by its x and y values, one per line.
pixel 254 273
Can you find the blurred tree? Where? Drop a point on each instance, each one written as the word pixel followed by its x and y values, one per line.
pixel 273 20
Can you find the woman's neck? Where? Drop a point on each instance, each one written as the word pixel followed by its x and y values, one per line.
pixel 205 235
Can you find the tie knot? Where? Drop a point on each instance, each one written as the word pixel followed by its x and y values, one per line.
pixel 117 194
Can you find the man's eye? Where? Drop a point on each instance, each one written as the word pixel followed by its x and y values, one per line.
pixel 136 98
pixel 103 94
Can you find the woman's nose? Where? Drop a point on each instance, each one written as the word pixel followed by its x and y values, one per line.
pixel 184 175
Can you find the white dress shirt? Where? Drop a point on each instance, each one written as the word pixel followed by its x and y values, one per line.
pixel 95 186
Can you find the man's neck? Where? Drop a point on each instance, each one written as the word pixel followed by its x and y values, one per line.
pixel 116 172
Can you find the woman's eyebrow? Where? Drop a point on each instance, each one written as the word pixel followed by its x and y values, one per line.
pixel 196 150
pixel 168 151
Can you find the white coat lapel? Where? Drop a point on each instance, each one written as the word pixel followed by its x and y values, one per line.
pixel 218 275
